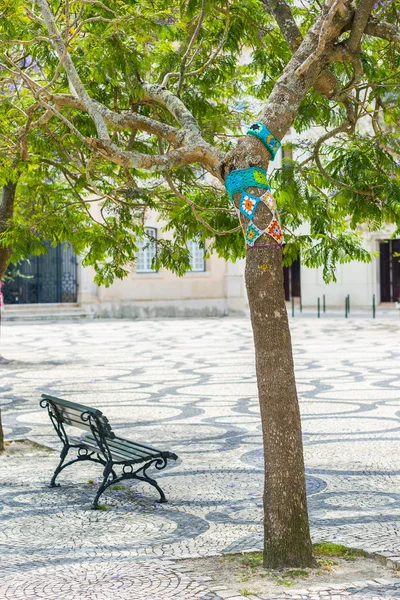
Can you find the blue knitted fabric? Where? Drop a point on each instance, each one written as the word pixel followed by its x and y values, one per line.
pixel 241 179
pixel 262 132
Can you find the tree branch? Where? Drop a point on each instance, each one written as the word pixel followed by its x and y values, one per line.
pixel 205 65
pixel 322 41
pixel 360 21
pixel 290 90
pixel 174 104
pixel 385 31
pixel 190 45
pixel 327 83
pixel 125 120
pixel 70 69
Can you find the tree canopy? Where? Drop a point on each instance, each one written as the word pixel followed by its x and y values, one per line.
pixel 136 103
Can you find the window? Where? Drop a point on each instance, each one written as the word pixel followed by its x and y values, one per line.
pixel 147 250
pixel 196 249
pixel 287 152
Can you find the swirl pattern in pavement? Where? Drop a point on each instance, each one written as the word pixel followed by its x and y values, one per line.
pixel 189 386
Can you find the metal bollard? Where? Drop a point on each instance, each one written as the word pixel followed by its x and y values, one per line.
pixel 373 306
pixel 319 308
pixel 323 303
pixel 348 303
pixel 345 308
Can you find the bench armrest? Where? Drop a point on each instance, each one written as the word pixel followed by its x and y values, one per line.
pixel 168 454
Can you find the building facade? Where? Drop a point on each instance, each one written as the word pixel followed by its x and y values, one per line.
pixel 213 287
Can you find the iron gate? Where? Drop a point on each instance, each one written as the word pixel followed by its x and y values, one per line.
pixel 46 278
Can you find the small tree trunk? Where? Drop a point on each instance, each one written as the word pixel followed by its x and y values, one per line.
pixel 6 213
pixel 287 540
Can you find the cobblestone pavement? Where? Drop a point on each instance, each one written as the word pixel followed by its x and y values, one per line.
pixel 189 386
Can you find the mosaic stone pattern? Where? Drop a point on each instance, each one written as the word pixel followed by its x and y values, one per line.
pixel 160 382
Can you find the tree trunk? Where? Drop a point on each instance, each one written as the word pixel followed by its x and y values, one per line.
pixel 287 535
pixel 6 213
pixel 287 540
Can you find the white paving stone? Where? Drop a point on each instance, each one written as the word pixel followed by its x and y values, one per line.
pixel 189 386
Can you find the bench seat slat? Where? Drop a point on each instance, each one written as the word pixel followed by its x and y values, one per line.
pixel 117 455
pixel 119 446
pixel 132 446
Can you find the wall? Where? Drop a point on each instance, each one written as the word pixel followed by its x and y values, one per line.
pixel 162 294
pixel 360 280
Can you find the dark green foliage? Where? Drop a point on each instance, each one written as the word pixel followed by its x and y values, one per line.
pixel 327 196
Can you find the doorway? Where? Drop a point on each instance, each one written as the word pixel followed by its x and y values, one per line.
pixel 291 280
pixel 390 270
pixel 50 277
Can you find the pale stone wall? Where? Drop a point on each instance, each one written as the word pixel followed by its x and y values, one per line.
pixel 360 280
pixel 163 294
pixel 220 290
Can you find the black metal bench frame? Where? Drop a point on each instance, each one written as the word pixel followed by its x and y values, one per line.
pixel 101 445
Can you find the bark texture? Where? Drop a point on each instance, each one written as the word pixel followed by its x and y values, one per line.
pixel 6 213
pixel 287 539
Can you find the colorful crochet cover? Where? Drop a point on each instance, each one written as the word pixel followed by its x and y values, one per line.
pixel 239 181
pixel 262 132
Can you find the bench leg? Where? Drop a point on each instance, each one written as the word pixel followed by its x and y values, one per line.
pixel 81 457
pixel 154 483
pixel 130 475
pixel 63 455
pixel 105 483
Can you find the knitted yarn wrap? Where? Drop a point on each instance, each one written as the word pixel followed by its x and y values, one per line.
pixel 261 131
pixel 241 179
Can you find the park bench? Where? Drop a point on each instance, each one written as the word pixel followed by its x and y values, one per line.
pixel 100 444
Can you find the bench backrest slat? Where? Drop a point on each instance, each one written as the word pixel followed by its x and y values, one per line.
pixel 76 415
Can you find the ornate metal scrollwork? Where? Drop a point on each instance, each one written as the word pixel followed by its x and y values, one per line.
pixel 97 449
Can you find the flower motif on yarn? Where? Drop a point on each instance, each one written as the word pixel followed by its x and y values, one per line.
pixel 252 234
pixel 268 139
pixel 269 200
pixel 275 231
pixel 248 205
